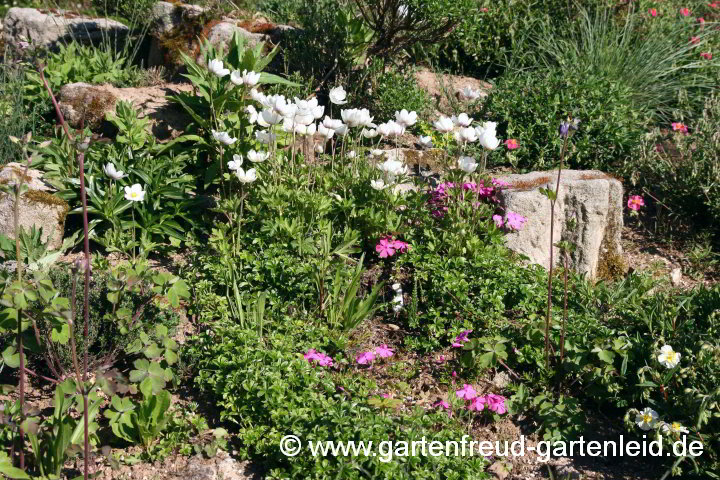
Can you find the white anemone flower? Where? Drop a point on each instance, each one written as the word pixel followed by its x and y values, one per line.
pixel 257 96
pixel 486 136
pixel 223 137
pixel 111 172
pixel 390 129
pixel 369 133
pixel 236 77
pixel 425 141
pixel 338 96
pixel 444 125
pixel 466 135
pixel 405 118
pixel 331 123
pixel 305 129
pixel 342 130
pixel 469 94
pixel 467 164
pixel 378 184
pixel 377 152
pixel 250 78
pixel 216 67
pixel 265 137
pixel 319 148
pixel 135 193
pixel 462 120
pixel 355 117
pixel 236 162
pixel 668 357
pixel 246 177
pixel 257 157
pixel 252 114
pixel 393 167
pixel 325 132
pixel 646 419
pixel 271 117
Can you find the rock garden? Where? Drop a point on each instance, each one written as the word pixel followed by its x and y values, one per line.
pixel 234 231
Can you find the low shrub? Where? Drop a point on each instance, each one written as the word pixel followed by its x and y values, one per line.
pixel 529 107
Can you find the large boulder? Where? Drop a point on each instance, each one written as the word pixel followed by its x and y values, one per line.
pixel 592 199
pixel 221 33
pixel 89 104
pixel 167 16
pixel 38 206
pixel 49 28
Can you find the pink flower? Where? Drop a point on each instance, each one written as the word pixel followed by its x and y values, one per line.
pixel 706 55
pixel 319 358
pixel 387 247
pixel 496 403
pixel 443 404
pixel 679 127
pixel 512 144
pixel 694 40
pixel 441 359
pixel 386 395
pixel 461 339
pixel 365 358
pixel 515 221
pixel 467 392
pixel 454 374
pixel 383 351
pixel 635 202
pixel 653 12
pixel 477 404
pixel 498 219
pixel 685 12
pixel 484 9
pixel 500 183
pixel 700 20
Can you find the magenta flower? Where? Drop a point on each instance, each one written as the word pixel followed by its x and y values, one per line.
pixel 694 40
pixel 461 338
pixel 498 219
pixel 685 12
pixel 706 55
pixel 477 404
pixel 653 12
pixel 441 359
pixel 319 358
pixel 496 403
pixel 467 392
pixel 386 395
pixel 443 404
pixel 700 20
pixel 383 351
pixel 500 183
pixel 365 358
pixel 511 144
pixel 515 221
pixel 635 202
pixel 388 246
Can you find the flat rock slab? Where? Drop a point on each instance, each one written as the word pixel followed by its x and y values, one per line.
pixel 48 28
pixel 91 103
pixel 590 199
pixel 38 206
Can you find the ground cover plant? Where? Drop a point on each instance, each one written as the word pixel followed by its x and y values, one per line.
pixel 323 249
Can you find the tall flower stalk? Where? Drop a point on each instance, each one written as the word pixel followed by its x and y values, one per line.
pixel 565 131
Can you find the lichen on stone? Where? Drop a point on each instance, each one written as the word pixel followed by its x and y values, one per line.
pixel 47 198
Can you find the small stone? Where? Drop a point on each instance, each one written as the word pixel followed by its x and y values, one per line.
pixel 392 326
pixel 676 276
pixel 499 470
pixel 39 208
pixel 501 380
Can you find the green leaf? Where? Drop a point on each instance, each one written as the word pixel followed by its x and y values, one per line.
pixel 11 357
pixel 606 356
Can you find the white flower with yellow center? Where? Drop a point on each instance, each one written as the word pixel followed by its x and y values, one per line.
pixel 646 419
pixel 668 357
pixel 135 193
pixel 674 427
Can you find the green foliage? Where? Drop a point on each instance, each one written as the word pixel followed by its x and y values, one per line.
pixel 345 310
pixel 140 422
pixel 272 390
pixel 129 9
pixel 529 107
pixel 682 170
pixel 75 62
pixel 392 91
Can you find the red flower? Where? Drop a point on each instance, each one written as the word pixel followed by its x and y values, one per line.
pixel 694 40
pixel 512 144
pixel 706 55
pixel 653 12
pixel 679 127
pixel 700 20
pixel 685 12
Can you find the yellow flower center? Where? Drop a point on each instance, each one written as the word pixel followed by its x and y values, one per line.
pixel 676 426
pixel 647 418
pixel 133 195
pixel 671 356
